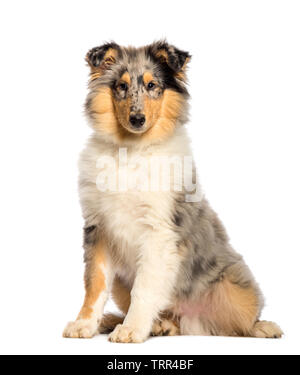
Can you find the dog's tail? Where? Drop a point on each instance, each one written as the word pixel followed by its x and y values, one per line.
pixel 109 321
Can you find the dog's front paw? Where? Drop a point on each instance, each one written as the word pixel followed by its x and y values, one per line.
pixel 124 333
pixel 81 328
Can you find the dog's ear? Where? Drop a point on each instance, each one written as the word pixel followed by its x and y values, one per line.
pixel 168 54
pixel 101 58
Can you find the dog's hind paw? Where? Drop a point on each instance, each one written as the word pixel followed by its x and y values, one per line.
pixel 164 327
pixel 265 329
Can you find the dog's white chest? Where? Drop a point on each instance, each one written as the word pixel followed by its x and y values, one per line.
pixel 119 190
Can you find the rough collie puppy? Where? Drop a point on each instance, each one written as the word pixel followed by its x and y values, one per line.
pixel 161 251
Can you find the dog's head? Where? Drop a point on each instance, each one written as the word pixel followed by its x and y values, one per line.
pixel 137 93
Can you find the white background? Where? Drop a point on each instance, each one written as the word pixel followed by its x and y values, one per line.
pixel 245 88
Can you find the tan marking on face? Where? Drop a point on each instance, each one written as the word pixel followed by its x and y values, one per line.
pixel 122 112
pixel 164 113
pixel 112 116
pixel 105 114
pixel 126 78
pixel 152 110
pixel 147 77
pixel 97 282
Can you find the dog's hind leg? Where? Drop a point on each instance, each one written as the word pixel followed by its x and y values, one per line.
pixel 228 309
pixel 236 310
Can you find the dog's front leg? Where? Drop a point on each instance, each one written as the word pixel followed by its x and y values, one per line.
pixel 151 292
pixel 98 280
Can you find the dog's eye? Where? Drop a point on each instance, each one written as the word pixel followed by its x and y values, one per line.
pixel 151 85
pixel 123 86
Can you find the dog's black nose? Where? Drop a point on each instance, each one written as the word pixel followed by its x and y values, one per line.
pixel 138 120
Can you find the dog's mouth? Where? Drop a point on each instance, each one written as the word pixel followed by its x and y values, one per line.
pixel 139 130
pixel 136 129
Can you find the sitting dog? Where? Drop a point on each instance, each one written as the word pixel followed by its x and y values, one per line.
pixel 159 250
